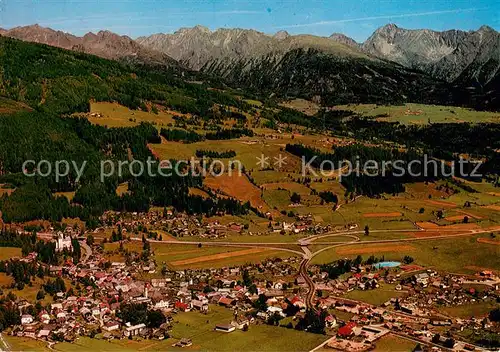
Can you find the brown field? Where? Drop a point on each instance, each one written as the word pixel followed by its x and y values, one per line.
pixel 238 187
pixel 496 194
pixel 489 241
pixel 427 225
pixel 193 191
pixel 492 207
pixel 411 267
pixel 471 215
pixel 420 190
pixel 461 227
pixel 214 257
pixel 441 203
pixel 455 218
pixel 376 249
pixel 382 215
pixel 68 195
pixel 5 280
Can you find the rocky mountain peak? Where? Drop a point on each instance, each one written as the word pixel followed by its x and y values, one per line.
pixel 281 35
pixel 486 28
pixel 342 38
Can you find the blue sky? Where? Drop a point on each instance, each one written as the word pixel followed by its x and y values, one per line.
pixel 356 18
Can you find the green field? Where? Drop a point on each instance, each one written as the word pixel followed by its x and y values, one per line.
pixel 24 344
pixel 88 344
pixel 392 343
pixel 477 309
pixel 421 114
pixel 200 328
pixel 460 254
pixel 205 257
pixel 375 297
pixel 115 115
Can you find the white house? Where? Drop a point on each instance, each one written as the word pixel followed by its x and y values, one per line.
pixel 135 330
pixel 26 319
pixel 110 326
pixel 161 304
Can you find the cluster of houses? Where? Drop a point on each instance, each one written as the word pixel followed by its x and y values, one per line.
pixel 98 291
pixel 415 313
pixel 182 225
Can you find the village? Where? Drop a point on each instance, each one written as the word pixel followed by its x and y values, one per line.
pixel 140 299
pixel 180 225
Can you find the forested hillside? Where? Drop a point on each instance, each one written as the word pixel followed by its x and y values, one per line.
pixel 62 81
pixel 55 83
pixel 337 80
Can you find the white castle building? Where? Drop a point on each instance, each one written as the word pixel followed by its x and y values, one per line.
pixel 63 242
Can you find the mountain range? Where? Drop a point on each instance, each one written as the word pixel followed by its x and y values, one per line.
pixel 104 44
pixel 408 63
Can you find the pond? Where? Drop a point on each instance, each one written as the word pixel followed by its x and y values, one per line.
pixel 386 265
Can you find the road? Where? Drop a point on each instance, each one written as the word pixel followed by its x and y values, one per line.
pixel 308 255
pixel 88 251
pixel 5 344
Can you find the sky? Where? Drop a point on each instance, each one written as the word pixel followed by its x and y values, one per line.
pixel 355 18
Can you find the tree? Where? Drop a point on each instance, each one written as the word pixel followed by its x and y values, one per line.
pixel 466 219
pixel 367 230
pixel 90 240
pixel 295 198
pixel 421 211
pixel 436 338
pixel 260 303
pixel 40 295
pixel 155 319
pixel 252 289
pixel 495 315
pixel 247 280
pixel 358 260
pixel 407 259
pixel 77 251
pixel 274 319
pixel 449 343
pixel 418 348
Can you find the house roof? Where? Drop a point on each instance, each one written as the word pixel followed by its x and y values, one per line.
pixel 226 301
pixel 346 330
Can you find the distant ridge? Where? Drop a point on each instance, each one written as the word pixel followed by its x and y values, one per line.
pixel 105 44
pixel 468 61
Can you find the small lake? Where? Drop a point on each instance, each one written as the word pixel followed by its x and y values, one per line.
pixel 386 265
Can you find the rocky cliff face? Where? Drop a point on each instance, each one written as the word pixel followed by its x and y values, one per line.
pixel 104 44
pixel 450 55
pixel 198 46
